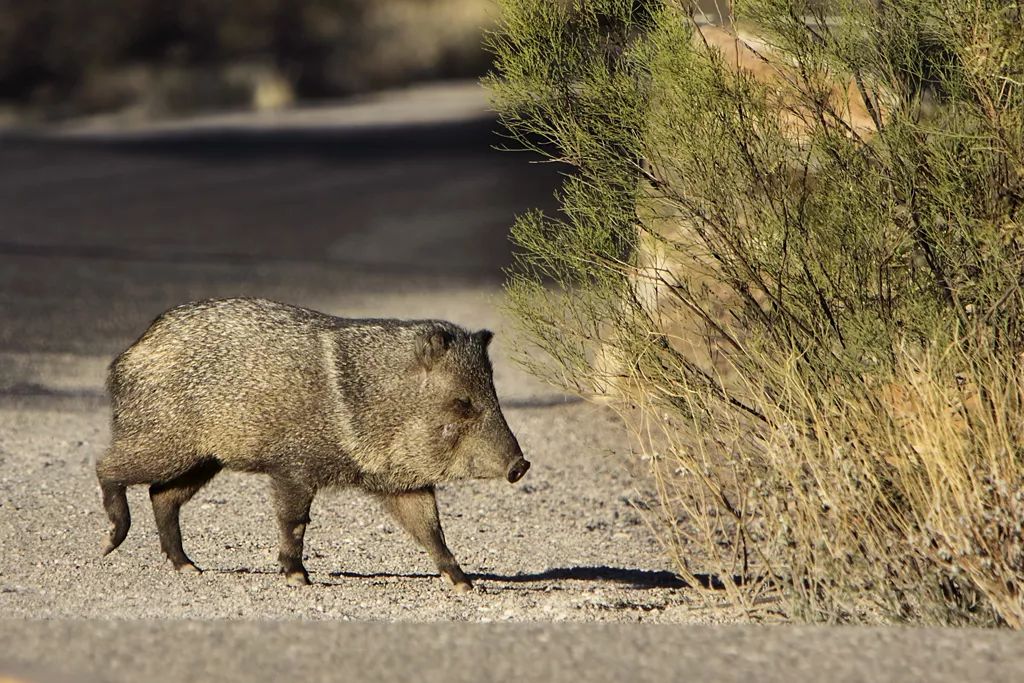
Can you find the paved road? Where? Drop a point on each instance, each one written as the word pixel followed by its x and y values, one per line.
pixel 108 652
pixel 394 206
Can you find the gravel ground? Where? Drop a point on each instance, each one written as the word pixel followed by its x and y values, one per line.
pixel 567 543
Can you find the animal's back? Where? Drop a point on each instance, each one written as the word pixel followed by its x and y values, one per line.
pixel 230 378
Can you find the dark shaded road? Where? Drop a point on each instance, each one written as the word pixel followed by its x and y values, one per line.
pixel 100 231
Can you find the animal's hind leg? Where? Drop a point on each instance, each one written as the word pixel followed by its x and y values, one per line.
pixel 114 472
pixel 292 500
pixel 115 502
pixel 167 498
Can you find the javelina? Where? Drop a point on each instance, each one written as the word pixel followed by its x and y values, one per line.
pixel 389 406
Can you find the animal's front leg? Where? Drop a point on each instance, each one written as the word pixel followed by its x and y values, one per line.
pixel 416 511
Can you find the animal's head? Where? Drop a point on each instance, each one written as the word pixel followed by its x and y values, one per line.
pixel 464 423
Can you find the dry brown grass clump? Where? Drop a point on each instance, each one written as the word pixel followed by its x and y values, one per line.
pixel 893 501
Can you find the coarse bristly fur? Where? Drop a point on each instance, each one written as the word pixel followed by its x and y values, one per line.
pixel 393 407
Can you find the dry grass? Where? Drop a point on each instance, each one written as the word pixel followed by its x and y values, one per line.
pixel 889 502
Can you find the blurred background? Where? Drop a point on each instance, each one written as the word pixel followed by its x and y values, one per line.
pixel 60 58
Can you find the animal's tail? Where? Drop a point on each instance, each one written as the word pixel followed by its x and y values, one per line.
pixel 116 503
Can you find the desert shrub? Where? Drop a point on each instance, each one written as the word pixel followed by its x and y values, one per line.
pixel 790 253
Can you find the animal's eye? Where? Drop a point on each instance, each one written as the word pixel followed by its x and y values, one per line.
pixel 463 407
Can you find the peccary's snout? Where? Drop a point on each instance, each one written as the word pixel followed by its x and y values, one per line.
pixel 517 469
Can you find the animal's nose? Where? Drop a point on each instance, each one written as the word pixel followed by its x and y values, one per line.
pixel 517 470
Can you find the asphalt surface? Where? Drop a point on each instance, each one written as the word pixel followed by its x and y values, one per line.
pixel 98 652
pixel 390 206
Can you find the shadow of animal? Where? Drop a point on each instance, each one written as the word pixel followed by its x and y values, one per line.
pixel 640 579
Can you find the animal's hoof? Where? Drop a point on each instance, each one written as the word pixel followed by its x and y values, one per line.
pixel 297 579
pixel 458 581
pixel 188 568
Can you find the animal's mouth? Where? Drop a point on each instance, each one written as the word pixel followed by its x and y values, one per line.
pixel 517 470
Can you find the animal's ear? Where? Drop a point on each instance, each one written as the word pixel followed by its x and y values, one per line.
pixel 484 336
pixel 431 346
